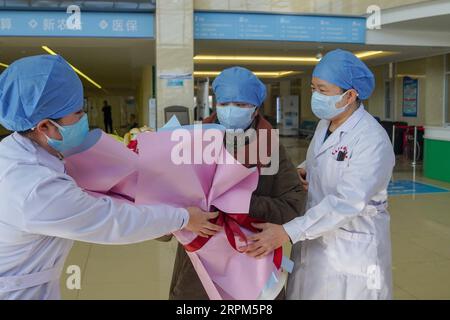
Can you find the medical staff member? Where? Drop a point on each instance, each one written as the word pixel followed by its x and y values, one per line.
pixel 345 250
pixel 42 210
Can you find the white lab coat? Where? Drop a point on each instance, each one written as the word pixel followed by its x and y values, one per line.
pixel 42 211
pixel 342 247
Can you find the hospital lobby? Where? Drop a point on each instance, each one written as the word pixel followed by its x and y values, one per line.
pixel 144 62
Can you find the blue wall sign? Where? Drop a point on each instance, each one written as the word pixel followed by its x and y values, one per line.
pixel 410 96
pixel 253 26
pixel 207 25
pixel 62 24
pixel 405 187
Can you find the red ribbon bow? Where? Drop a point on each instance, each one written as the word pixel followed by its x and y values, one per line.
pixel 232 224
pixel 133 145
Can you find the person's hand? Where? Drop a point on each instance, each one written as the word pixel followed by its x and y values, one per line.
pixel 199 222
pixel 302 175
pixel 271 237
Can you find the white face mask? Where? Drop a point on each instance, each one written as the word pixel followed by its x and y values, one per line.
pixel 234 117
pixel 324 107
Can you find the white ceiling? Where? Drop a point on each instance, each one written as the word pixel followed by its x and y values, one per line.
pixel 436 23
pixel 333 7
pixel 295 49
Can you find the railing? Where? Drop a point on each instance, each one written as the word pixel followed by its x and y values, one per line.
pixel 405 143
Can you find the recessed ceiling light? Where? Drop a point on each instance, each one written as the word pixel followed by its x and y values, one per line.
pixel 263 74
pixel 254 58
pixel 314 59
pixel 75 69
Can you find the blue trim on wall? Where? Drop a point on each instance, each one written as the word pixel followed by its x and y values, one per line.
pixel 93 24
pixel 279 27
pixel 207 25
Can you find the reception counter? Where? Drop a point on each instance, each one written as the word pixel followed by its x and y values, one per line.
pixel 437 153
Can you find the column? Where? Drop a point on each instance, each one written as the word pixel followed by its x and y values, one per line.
pixel 174 55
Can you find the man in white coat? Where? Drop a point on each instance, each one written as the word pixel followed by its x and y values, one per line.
pixel 42 210
pixel 345 250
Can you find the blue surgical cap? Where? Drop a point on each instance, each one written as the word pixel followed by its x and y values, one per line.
pixel 344 69
pixel 238 84
pixel 37 88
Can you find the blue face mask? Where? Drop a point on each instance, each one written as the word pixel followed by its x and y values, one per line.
pixel 72 135
pixel 234 117
pixel 324 107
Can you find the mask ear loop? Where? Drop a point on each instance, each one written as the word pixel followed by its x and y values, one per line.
pixel 56 124
pixel 60 128
pixel 53 122
pixel 348 90
pixel 60 155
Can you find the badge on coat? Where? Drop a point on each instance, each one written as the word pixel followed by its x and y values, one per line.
pixel 340 154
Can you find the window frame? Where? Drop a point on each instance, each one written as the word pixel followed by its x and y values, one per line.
pixel 389 83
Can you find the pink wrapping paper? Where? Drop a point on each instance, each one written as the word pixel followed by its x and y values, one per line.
pixel 106 167
pixel 109 168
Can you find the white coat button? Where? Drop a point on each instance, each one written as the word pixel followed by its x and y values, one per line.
pixel 19 283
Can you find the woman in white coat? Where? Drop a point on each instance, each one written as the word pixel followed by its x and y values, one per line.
pixel 342 247
pixel 42 210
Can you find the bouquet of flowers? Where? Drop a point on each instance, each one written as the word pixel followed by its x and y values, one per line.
pixel 187 166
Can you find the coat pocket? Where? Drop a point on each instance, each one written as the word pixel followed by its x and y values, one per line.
pixel 351 253
pixel 353 266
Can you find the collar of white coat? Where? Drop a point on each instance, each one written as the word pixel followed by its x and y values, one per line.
pixel 41 156
pixel 351 122
pixel 335 137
